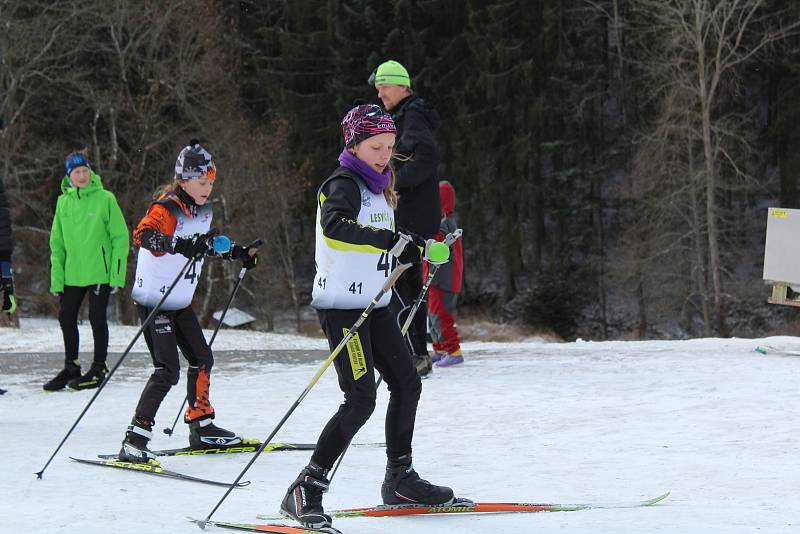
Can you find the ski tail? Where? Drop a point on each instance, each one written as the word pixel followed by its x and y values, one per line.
pixel 769 349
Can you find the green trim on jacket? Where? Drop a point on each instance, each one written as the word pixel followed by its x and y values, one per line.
pixel 89 238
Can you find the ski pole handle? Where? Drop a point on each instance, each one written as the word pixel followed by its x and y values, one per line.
pixel 252 249
pixel 221 244
pixel 402 241
pixel 452 237
pixel 436 252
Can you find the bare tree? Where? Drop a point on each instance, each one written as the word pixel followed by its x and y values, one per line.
pixel 133 87
pixel 263 203
pixel 37 66
pixel 691 55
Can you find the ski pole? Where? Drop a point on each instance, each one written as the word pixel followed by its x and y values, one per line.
pixel 448 240
pixel 255 244
pixel 395 274
pixel 149 318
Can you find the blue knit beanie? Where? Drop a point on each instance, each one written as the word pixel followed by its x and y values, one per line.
pixel 75 160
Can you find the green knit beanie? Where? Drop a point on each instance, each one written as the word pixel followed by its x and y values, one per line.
pixel 390 72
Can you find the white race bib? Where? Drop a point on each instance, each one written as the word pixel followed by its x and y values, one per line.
pixel 349 276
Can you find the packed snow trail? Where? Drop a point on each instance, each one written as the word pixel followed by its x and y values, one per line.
pixel 710 420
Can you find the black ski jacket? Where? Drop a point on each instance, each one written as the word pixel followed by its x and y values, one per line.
pixel 6 239
pixel 339 212
pixel 416 166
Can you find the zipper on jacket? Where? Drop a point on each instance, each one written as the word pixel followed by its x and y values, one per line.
pixel 105 263
pixel 119 265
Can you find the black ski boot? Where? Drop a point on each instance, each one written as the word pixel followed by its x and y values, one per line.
pixel 402 485
pixel 134 446
pixel 71 370
pixel 303 501
pixel 92 379
pixel 204 434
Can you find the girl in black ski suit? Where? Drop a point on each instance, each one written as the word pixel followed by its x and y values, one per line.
pixel 354 232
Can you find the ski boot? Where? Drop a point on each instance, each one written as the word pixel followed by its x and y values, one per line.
pixel 72 369
pixel 402 485
pixel 303 501
pixel 92 379
pixel 134 446
pixel 204 434
pixel 437 356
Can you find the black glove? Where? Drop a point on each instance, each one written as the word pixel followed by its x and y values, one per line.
pixel 7 287
pixel 239 252
pixel 190 247
pixel 412 252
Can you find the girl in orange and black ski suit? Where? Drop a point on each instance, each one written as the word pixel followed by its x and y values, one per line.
pixel 175 229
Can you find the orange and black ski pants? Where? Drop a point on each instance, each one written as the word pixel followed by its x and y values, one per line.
pixel 168 331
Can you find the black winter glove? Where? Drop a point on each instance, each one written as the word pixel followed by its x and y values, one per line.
pixel 190 247
pixel 412 252
pixel 241 253
pixel 250 262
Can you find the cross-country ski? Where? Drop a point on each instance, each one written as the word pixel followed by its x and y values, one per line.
pixel 466 506
pixel 155 470
pixel 246 446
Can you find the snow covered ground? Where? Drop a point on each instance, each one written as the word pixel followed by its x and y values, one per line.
pixel 710 420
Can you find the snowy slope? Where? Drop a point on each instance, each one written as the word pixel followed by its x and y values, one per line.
pixel 709 420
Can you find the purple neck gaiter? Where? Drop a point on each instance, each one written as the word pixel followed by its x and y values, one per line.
pixel 376 181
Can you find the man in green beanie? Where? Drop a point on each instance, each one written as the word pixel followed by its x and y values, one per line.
pixel 416 163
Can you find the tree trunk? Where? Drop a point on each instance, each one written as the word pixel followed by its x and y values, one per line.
pixel 698 270
pixel 712 230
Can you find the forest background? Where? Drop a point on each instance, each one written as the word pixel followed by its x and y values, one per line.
pixel 613 159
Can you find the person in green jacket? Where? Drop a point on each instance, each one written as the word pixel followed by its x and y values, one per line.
pixel 88 255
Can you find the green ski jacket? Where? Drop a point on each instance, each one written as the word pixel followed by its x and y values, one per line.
pixel 89 239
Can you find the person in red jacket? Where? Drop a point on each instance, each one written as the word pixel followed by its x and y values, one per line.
pixel 446 285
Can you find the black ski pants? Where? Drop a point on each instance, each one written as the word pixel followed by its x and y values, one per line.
pixel 406 290
pixel 70 304
pixel 168 331
pixel 377 345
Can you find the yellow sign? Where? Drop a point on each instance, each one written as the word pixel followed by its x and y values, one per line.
pixel 358 363
pixel 775 212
